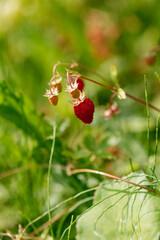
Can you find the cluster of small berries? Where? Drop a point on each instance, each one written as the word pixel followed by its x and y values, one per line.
pixel 83 107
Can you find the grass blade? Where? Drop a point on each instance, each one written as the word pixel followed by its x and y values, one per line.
pixel 156 148
pixel 48 178
pixel 148 116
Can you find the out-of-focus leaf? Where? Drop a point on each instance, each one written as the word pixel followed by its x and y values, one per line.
pixel 9 216
pixel 77 154
pixel 98 149
pixel 90 143
pixel 122 211
pixel 19 110
pixel 105 155
pixel 10 114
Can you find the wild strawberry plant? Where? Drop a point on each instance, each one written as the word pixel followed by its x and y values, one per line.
pixel 84 110
pixel 63 161
pixel 89 156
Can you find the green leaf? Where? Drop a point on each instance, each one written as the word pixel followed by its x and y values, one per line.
pixel 122 211
pixel 77 154
pixel 10 114
pixel 90 143
pixel 105 155
pixel 18 109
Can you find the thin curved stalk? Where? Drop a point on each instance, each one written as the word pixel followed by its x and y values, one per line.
pixel 75 171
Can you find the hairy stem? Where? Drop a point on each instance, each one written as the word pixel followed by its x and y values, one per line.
pixel 95 73
pixel 127 94
pixel 75 171
pixel 112 87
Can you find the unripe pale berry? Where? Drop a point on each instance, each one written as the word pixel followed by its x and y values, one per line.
pixel 58 86
pixel 75 93
pixel 53 100
pixel 52 95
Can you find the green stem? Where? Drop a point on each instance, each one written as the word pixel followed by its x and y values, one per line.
pixel 131 164
pixel 148 115
pixel 57 206
pixel 155 176
pixel 156 149
pixel 69 230
pixel 48 178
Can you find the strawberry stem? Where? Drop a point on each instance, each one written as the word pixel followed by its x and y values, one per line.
pixel 112 88
pixel 97 74
pixel 71 172
pixel 127 94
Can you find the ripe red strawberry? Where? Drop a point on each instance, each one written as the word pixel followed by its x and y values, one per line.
pixel 80 84
pixel 84 110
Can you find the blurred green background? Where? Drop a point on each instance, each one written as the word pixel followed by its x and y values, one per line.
pixel 34 35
